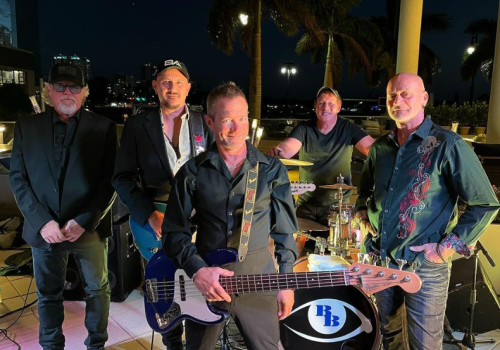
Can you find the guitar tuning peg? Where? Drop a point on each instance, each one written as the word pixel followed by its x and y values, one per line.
pixel 401 263
pixel 387 261
pixel 413 266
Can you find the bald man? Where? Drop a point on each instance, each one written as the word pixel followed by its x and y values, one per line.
pixel 409 188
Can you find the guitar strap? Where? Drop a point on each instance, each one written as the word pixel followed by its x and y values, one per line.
pixel 196 133
pixel 246 223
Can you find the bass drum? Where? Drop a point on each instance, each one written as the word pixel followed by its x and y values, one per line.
pixel 330 318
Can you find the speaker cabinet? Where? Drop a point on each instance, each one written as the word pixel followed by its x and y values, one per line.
pixel 124 266
pixel 124 261
pixel 487 308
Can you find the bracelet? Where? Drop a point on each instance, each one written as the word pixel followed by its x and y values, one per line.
pixel 439 252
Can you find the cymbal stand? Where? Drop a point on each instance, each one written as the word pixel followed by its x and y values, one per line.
pixel 323 244
pixel 334 219
pixel 469 339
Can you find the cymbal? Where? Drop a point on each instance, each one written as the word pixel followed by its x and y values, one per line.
pixel 337 186
pixel 308 225
pixel 5 147
pixel 295 162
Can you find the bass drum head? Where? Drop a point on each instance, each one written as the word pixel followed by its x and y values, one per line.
pixel 330 318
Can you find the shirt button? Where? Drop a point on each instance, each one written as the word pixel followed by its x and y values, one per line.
pixel 55 190
pixel 385 232
pixel 386 211
pixel 392 189
pixel 230 213
pixel 230 233
pixel 400 153
pixel 383 250
pixel 231 193
pixel 396 168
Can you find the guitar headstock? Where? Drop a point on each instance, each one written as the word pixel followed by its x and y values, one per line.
pixel 372 278
pixel 298 187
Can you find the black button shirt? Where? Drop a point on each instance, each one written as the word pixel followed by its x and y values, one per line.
pixel 205 184
pixel 63 137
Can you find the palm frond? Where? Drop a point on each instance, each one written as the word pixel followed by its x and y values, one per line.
pixel 436 22
pixel 223 23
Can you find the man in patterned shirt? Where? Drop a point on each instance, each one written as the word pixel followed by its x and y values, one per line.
pixel 409 189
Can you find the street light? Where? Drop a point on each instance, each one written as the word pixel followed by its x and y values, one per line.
pixel 288 69
pixel 470 51
pixel 244 19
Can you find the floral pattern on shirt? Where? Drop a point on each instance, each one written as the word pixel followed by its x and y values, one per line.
pixel 412 203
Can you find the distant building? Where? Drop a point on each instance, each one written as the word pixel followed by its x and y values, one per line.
pixel 20 61
pixel 147 71
pixel 83 63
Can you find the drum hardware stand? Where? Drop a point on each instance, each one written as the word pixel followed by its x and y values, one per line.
pixel 335 221
pixel 226 344
pixel 469 339
pixel 323 244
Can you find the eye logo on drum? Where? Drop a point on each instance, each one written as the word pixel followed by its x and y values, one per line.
pixel 328 317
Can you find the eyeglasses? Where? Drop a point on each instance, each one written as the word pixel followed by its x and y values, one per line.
pixel 75 89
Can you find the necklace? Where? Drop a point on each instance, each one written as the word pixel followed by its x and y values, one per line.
pixel 234 167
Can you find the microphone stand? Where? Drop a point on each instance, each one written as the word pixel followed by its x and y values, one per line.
pixel 469 339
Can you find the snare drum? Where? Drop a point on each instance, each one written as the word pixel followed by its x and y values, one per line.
pixel 331 318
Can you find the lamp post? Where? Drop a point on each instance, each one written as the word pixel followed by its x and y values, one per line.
pixel 288 69
pixel 470 51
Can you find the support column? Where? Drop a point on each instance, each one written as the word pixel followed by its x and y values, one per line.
pixel 493 132
pixel 410 21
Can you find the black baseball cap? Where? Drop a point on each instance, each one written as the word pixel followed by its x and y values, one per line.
pixel 66 71
pixel 327 88
pixel 168 64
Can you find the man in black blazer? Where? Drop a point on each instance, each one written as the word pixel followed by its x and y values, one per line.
pixel 61 170
pixel 154 145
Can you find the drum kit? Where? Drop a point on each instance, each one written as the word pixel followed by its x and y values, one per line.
pixel 351 314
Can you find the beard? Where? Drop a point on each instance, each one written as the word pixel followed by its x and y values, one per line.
pixel 67 106
pixel 170 106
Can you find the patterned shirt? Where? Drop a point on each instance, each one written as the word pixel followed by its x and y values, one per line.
pixel 411 192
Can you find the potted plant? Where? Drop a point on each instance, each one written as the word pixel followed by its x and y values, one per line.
pixel 481 117
pixel 465 116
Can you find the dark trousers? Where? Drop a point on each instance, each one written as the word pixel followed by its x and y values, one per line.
pixel 173 339
pixel 313 213
pixel 255 315
pixel 50 272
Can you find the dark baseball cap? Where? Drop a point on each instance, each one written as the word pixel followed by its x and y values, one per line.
pixel 329 89
pixel 168 64
pixel 66 71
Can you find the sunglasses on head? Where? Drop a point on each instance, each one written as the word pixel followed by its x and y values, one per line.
pixel 59 87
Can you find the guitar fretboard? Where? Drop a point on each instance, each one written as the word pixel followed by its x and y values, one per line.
pixel 276 282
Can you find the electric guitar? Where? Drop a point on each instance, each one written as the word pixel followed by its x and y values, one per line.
pixel 145 238
pixel 148 243
pixel 171 296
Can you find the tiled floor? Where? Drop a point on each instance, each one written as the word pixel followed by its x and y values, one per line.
pixel 128 329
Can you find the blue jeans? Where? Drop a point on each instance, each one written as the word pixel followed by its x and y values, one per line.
pixel 50 272
pixel 415 321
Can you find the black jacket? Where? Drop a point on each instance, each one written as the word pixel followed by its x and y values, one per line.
pixel 87 193
pixel 142 171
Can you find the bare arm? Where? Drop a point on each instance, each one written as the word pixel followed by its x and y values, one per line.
pixel 364 144
pixel 287 148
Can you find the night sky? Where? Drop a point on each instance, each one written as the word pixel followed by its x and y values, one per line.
pixel 121 35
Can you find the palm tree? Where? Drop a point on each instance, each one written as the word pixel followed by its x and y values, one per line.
pixel 428 62
pixel 484 30
pixel 224 24
pixel 342 36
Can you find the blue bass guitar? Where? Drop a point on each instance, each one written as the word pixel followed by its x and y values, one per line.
pixel 144 237
pixel 171 296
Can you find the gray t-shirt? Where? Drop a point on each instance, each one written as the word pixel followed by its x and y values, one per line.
pixel 331 155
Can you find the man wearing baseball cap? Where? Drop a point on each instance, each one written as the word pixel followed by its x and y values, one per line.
pixel 328 143
pixel 154 145
pixel 61 170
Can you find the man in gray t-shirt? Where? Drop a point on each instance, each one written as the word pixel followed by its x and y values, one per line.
pixel 328 143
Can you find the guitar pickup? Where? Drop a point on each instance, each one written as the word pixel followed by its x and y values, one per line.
pixel 152 290
pixel 182 287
